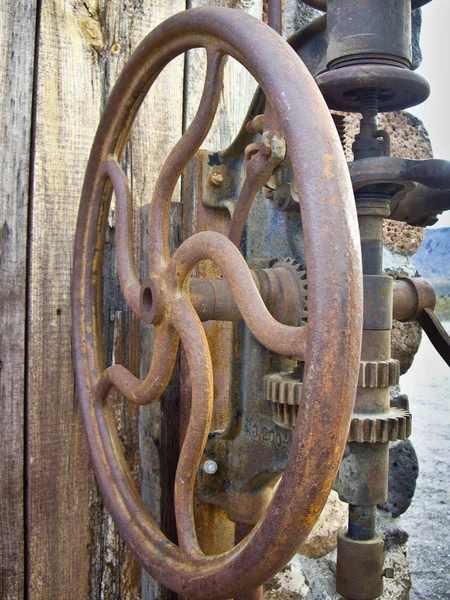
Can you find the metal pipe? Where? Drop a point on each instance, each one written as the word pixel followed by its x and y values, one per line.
pixel 275 15
pixel 361 522
pixel 411 296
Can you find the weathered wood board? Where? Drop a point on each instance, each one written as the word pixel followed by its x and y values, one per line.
pixel 73 549
pixel 68 86
pixel 17 42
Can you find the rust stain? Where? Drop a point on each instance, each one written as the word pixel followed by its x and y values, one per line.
pixel 328 167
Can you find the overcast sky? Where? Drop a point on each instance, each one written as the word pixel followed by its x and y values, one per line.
pixel 435 112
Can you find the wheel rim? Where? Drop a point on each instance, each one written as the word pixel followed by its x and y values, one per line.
pixel 334 338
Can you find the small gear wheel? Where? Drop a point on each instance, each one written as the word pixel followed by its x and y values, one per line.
pixel 299 271
pixel 381 428
pixel 379 374
pixel 283 391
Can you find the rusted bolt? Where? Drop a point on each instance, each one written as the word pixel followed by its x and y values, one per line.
pixel 265 149
pixel 216 178
pixel 388 573
pixel 210 467
pixel 256 125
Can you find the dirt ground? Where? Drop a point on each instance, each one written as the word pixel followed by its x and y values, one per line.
pixel 428 519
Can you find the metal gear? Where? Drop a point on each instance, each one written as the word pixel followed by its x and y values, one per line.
pixel 283 392
pixel 381 428
pixel 299 271
pixel 378 374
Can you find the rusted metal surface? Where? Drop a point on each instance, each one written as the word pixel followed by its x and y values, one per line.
pixel 282 289
pixel 383 33
pixel 399 88
pixel 433 172
pixel 360 567
pixel 334 321
pixel 421 206
pixel 411 296
pixel 436 332
pixel 275 15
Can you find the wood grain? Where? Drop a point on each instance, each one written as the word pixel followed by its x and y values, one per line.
pixel 73 549
pixel 17 41
pixel 68 101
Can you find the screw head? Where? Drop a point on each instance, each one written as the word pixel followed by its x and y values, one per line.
pixel 216 178
pixel 210 467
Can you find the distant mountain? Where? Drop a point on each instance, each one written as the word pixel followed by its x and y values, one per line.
pixel 432 260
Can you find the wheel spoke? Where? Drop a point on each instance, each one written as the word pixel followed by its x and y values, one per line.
pixel 259 170
pixel 195 344
pixel 282 339
pixel 129 280
pixel 184 150
pixel 150 389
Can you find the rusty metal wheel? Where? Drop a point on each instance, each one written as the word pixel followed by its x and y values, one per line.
pixel 330 343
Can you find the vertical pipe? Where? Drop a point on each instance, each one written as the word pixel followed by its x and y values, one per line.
pixel 274 15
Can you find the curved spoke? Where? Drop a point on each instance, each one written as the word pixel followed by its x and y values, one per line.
pixel 195 344
pixel 187 146
pixel 282 339
pixel 150 389
pixel 259 170
pixel 129 280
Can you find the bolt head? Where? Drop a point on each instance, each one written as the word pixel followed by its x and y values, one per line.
pixel 216 178
pixel 210 467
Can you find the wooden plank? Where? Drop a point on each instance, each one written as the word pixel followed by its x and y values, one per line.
pixel 17 40
pixel 68 104
pixel 74 551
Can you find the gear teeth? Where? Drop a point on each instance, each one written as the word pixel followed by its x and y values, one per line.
pixel 379 374
pixel 294 264
pixel 300 272
pixel 375 429
pixel 283 393
pixel 282 389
